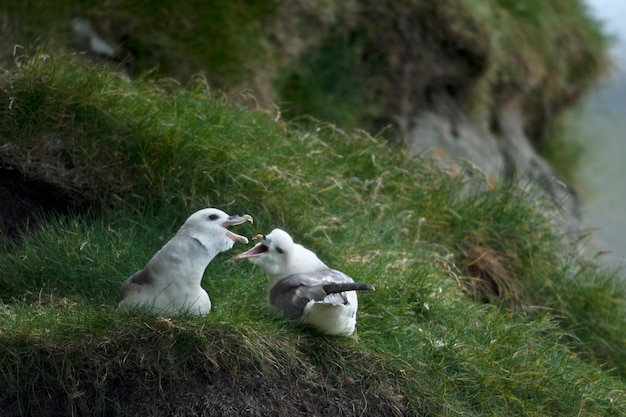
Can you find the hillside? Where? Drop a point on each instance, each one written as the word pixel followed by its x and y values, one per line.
pixel 483 304
pixel 485 81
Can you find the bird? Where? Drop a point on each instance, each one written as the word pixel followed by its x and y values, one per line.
pixel 169 284
pixel 83 28
pixel 303 288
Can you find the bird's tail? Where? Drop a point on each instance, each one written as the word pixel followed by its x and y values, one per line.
pixel 346 286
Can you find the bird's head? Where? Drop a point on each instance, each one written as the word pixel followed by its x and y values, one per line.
pixel 273 252
pixel 278 255
pixel 210 227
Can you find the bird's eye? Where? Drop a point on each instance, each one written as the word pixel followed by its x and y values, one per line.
pixel 214 217
pixel 279 250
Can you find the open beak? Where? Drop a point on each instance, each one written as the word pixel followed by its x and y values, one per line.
pixel 233 221
pixel 257 250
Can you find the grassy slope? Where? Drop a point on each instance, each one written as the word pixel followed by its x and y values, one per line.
pixel 146 156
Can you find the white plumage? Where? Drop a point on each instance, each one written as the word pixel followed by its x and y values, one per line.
pixel 170 283
pixel 303 288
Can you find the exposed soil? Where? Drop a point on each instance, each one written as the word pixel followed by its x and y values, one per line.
pixel 20 201
pixel 222 394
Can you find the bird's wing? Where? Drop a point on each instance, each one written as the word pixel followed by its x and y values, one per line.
pixel 139 278
pixel 291 294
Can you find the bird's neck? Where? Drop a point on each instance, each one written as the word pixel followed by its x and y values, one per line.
pixel 187 256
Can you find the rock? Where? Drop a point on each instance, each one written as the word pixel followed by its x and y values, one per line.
pixel 502 151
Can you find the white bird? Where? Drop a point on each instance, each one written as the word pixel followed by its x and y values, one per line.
pixel 303 288
pixel 170 283
pixel 85 29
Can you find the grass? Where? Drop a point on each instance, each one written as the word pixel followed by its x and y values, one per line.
pixel 194 35
pixel 137 157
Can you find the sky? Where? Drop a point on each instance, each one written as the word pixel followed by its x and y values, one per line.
pixel 613 14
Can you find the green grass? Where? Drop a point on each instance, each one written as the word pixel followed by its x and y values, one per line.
pixel 166 37
pixel 143 155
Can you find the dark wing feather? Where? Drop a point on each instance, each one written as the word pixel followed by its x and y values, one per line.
pixel 291 294
pixel 347 286
pixel 139 278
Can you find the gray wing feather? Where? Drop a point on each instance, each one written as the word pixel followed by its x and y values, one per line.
pixel 291 294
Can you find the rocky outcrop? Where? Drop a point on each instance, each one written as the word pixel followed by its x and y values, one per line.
pixel 502 152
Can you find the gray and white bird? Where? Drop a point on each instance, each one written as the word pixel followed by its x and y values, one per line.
pixel 303 288
pixel 170 283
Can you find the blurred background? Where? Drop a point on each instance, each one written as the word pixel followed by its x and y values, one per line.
pixel 602 181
